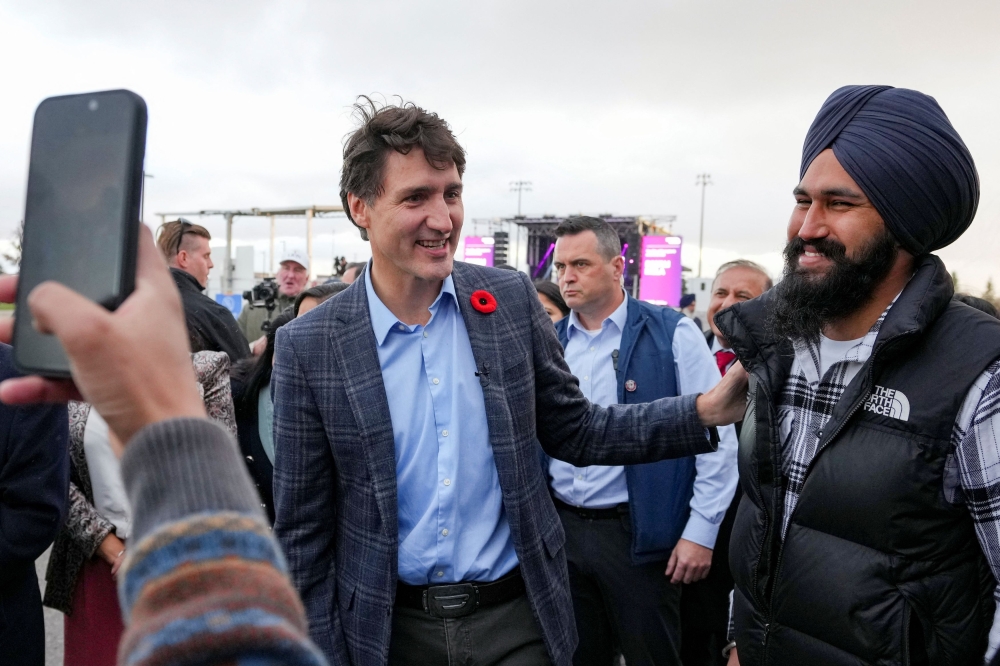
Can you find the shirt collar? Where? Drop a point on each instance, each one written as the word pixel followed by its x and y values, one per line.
pixel 382 318
pixel 618 318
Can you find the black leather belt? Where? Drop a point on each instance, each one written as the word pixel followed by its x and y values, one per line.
pixel 593 514
pixel 460 599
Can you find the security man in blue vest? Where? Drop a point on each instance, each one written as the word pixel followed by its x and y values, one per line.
pixel 634 534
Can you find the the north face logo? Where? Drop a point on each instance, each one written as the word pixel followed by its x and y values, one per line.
pixel 888 402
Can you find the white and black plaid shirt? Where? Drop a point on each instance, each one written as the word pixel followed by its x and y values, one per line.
pixel 972 469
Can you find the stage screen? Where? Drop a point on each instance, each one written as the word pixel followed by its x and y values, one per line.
pixel 477 250
pixel 660 270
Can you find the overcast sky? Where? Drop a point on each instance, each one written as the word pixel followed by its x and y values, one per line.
pixel 605 107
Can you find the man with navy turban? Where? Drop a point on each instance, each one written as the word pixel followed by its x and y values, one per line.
pixel 869 532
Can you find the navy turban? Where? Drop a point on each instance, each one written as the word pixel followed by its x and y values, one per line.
pixel 901 150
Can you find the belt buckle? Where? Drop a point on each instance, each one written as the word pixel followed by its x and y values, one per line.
pixel 450 601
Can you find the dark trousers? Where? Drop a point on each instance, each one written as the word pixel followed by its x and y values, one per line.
pixel 705 604
pixel 503 635
pixel 22 629
pixel 618 606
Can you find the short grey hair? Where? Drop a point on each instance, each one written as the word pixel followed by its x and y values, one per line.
pixel 608 243
pixel 745 263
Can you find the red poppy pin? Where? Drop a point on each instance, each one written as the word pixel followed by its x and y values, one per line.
pixel 483 301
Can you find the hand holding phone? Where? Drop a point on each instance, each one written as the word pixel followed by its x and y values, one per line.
pixel 133 365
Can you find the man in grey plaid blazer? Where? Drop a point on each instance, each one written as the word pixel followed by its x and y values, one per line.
pixel 349 416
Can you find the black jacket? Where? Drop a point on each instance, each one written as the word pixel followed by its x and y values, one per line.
pixel 876 566
pixel 34 486
pixel 248 434
pixel 211 327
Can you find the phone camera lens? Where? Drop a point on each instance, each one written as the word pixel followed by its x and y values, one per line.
pixel 92 105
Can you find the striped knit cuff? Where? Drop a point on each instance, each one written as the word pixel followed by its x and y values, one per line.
pixel 179 467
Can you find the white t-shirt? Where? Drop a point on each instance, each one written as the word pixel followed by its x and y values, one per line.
pixel 106 476
pixel 833 351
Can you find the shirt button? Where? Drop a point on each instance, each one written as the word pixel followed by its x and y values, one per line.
pixel 579 477
pixel 436 380
pixel 444 433
pixel 593 349
pixel 402 328
pixel 444 532
pixel 586 376
pixel 440 574
pixel 447 482
pixel 425 334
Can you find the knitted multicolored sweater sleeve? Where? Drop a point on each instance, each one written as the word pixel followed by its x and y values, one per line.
pixel 203 581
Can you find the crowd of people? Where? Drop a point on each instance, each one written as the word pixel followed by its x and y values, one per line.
pixel 431 462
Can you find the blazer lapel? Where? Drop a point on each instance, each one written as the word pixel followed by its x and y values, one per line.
pixel 481 328
pixel 357 360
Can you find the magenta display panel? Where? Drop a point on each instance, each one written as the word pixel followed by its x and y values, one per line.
pixel 660 270
pixel 478 250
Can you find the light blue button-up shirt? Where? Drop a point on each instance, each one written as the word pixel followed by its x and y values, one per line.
pixel 452 522
pixel 588 355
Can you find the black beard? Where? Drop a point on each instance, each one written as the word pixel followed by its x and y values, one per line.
pixel 805 304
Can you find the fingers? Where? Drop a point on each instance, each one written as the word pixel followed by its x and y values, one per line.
pixel 6 329
pixel 8 288
pixel 59 310
pixel 671 564
pixel 150 267
pixel 30 390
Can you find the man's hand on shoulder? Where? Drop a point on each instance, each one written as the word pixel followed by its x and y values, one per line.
pixel 726 403
pixel 689 562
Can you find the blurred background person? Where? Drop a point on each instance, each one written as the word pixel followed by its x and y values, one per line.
pixel 551 300
pixel 689 302
pixel 91 544
pixel 352 271
pixel 251 389
pixel 292 277
pixel 313 296
pixel 705 603
pixel 34 475
pixel 211 327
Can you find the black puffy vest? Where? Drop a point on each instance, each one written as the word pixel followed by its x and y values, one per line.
pixel 876 566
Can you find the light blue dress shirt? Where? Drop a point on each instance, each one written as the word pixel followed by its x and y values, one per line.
pixel 452 522
pixel 588 354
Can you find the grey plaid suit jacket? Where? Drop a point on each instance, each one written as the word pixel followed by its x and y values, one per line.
pixel 335 466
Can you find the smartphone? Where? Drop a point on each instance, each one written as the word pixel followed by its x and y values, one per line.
pixel 81 214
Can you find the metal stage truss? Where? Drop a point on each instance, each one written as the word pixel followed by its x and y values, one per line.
pixel 541 241
pixel 308 212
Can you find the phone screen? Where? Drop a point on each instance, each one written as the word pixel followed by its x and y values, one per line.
pixel 81 211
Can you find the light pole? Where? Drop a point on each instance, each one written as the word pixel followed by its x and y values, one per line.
pixel 520 186
pixel 142 197
pixel 704 180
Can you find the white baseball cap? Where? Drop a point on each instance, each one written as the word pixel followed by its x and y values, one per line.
pixel 296 255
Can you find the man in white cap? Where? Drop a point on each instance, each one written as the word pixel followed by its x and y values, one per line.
pixel 292 278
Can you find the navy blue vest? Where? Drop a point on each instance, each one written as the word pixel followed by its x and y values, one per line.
pixel 659 493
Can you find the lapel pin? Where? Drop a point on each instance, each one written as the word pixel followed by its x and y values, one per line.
pixel 630 385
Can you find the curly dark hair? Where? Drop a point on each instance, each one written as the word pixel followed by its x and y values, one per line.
pixel 399 127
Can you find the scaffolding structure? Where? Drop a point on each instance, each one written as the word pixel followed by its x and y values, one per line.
pixel 308 212
pixel 541 240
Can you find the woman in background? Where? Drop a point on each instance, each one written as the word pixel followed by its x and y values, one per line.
pixel 251 388
pixel 551 300
pixel 90 547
